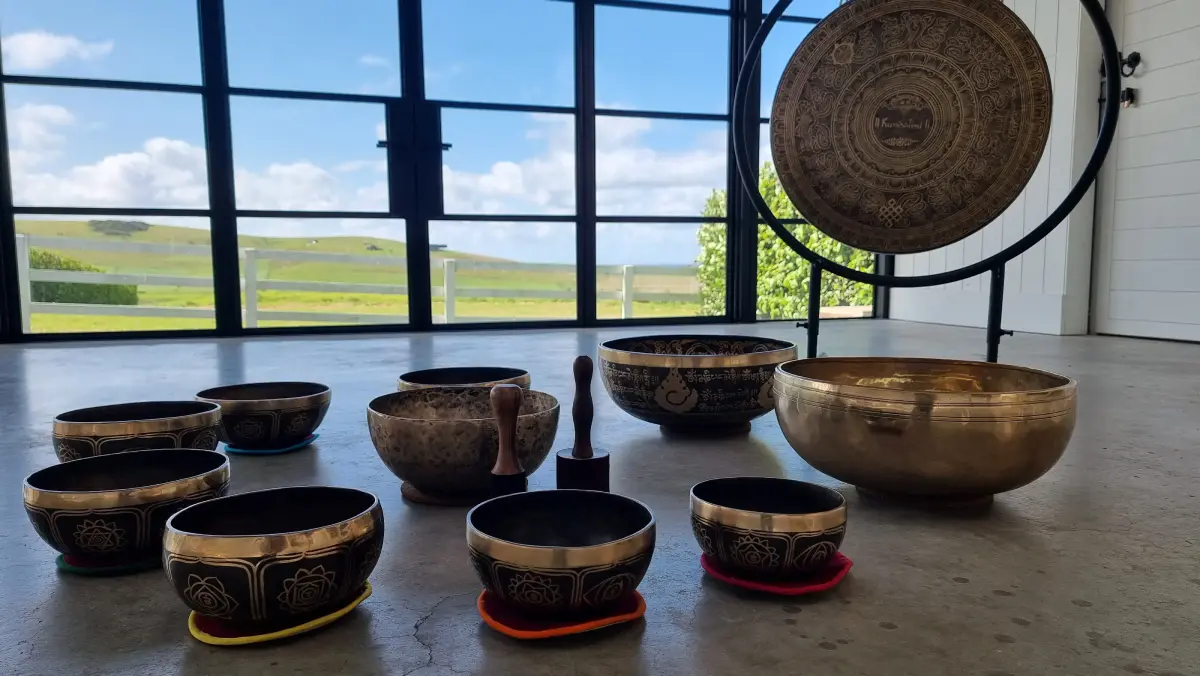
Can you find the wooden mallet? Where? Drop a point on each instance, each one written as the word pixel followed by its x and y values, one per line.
pixel 507 474
pixel 582 466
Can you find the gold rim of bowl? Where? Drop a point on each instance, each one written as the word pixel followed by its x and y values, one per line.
pixel 520 377
pixel 212 416
pixel 124 497
pixel 275 404
pixel 201 545
pixel 787 383
pixel 770 522
pixel 542 556
pixel 684 361
pixel 486 391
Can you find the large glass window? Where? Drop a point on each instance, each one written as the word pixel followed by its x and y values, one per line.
pixel 659 60
pixel 499 272
pixel 113 273
pixel 350 134
pixel 508 163
pixel 309 155
pixel 658 270
pixel 314 45
pixel 80 147
pixel 146 40
pixel 500 51
pixel 309 271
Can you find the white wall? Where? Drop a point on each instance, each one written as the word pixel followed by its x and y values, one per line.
pixel 1147 261
pixel 1047 288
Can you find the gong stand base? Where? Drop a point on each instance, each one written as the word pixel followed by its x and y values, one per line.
pixel 812 325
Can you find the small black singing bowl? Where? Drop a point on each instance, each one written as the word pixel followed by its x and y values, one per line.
pixel 268 416
pixel 137 426
pixel 111 510
pixel 770 529
pixel 275 558
pixel 561 553
pixel 464 376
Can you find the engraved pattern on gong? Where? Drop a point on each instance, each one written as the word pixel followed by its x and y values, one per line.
pixel 901 126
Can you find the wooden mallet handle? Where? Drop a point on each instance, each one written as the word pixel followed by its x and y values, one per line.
pixel 506 406
pixel 582 410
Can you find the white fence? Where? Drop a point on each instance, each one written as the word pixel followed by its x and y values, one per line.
pixel 449 291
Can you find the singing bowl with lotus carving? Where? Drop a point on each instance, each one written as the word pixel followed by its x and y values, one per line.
pixel 274 558
pixel 693 382
pixel 925 428
pixel 561 553
pixel 464 376
pixel 143 425
pixel 269 416
pixel 110 510
pixel 443 441
pixel 764 528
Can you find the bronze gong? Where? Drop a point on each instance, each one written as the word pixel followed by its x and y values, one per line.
pixel 900 126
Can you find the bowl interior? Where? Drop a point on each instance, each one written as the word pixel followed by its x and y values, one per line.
pixel 697 345
pixel 460 403
pixel 125 471
pixel 462 375
pixel 263 391
pixel 768 496
pixel 924 375
pixel 273 512
pixel 136 412
pixel 560 518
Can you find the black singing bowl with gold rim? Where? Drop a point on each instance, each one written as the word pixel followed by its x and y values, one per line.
pixel 464 376
pixel 693 382
pixel 561 553
pixel 925 429
pixel 443 441
pixel 767 528
pixel 101 430
pixel 111 510
pixel 268 416
pixel 274 558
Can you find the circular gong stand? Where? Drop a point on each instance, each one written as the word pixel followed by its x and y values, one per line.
pixel 993 264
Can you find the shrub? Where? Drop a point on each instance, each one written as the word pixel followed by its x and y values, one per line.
pixel 71 292
pixel 118 228
pixel 782 273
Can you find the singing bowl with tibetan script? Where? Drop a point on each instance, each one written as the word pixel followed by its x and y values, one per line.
pixel 463 376
pixel 274 558
pixel 693 382
pixel 136 426
pixel 561 553
pixel 268 416
pixel 925 428
pixel 443 441
pixel 764 528
pixel 111 510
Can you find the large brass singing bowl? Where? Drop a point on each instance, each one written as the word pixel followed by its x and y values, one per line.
pixel 925 428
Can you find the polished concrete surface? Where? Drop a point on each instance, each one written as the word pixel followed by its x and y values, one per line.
pixel 1094 569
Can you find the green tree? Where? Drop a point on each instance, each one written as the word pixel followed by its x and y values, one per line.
pixel 782 273
pixel 72 292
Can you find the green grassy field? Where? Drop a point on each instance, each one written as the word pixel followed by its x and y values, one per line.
pixel 314 271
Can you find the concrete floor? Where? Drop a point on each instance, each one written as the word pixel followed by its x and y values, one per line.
pixel 1092 570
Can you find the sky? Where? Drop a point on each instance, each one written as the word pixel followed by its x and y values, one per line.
pixel 114 148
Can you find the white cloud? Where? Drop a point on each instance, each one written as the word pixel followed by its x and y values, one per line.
pixel 164 172
pixel 35 134
pixel 631 177
pixel 41 50
pixel 372 61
